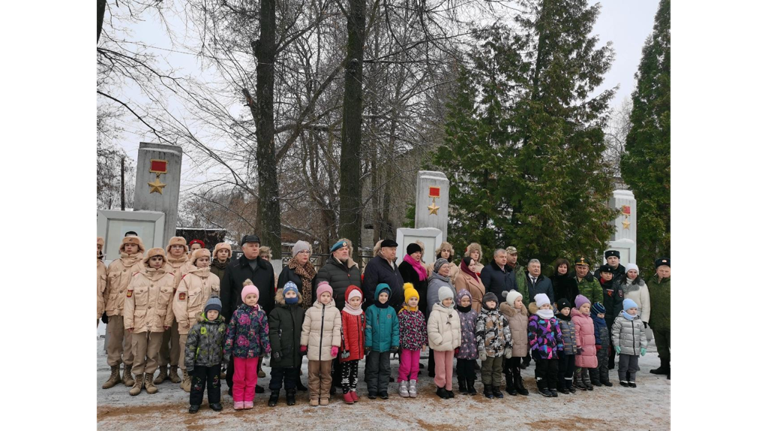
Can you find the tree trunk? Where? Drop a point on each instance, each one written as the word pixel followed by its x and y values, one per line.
pixel 101 7
pixel 350 205
pixel 264 50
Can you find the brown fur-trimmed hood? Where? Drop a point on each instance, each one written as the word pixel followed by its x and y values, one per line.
pixel 280 299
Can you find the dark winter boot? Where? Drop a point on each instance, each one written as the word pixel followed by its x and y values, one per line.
pixel 442 393
pixel 216 407
pixel 519 383
pixel 487 391
pixel 497 392
pixel 510 380
pixel 578 380
pixel 542 386
pixel 561 388
pixel 299 386
pixel 588 382
pixel 462 386
pixel 663 369
pixel 194 408
pixel 605 379
pixel 569 386
pixel 290 397
pixel 273 398
pixel 471 387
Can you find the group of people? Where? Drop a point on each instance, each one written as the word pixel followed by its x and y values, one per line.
pixel 203 313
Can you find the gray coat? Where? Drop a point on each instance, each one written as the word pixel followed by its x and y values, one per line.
pixel 568 330
pixel 436 281
pixel 629 335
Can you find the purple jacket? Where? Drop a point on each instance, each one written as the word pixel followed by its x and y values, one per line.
pixel 468 349
pixel 544 337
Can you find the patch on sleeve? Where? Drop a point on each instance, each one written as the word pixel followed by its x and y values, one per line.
pixel 129 294
pixel 182 296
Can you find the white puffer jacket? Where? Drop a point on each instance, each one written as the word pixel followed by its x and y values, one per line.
pixel 444 329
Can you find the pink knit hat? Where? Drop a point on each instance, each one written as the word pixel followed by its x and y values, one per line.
pixel 248 290
pixel 323 286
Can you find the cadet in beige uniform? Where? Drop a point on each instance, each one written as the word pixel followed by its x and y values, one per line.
pixel 148 314
pixel 119 276
pixel 177 258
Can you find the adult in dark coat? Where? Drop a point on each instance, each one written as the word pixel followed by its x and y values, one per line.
pixel 260 272
pixel 612 258
pixel 382 269
pixel 563 283
pixel 537 283
pixel 613 298
pixel 415 273
pixel 496 276
pixel 340 271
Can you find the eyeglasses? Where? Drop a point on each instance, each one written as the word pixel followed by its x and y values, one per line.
pixel 304 252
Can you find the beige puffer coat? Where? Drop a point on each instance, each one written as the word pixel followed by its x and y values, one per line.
pixel 444 329
pixel 321 330
pixel 518 325
pixel 119 276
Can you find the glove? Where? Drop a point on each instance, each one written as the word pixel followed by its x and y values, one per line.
pixel 334 351
pixel 507 353
pixel 598 347
pixel 276 356
pixel 394 349
pixel 483 356
pixel 367 350
pixel 104 318
pixel 642 351
pixel 303 350
pixel 579 350
pixel 645 325
pixel 456 351
pixel 618 350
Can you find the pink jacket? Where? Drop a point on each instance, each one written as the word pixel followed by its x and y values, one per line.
pixel 585 339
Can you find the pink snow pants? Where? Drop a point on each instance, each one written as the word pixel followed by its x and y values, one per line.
pixel 444 369
pixel 245 379
pixel 409 365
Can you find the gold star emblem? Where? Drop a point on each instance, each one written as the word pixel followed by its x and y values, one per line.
pixel 156 186
pixel 433 208
pixel 625 223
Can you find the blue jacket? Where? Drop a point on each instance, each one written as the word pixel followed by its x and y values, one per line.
pixel 602 334
pixel 382 329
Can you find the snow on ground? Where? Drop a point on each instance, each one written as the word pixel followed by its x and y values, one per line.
pixel 646 407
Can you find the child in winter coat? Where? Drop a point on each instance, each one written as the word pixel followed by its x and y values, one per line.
pixel 546 341
pixel 203 355
pixel 321 339
pixel 247 341
pixel 352 341
pixel 444 330
pixel 196 286
pixel 285 323
pixel 494 343
pixel 382 337
pixel 413 339
pixel 586 353
pixel 465 362
pixel 147 314
pixel 599 376
pixel 568 357
pixel 517 315
pixel 629 338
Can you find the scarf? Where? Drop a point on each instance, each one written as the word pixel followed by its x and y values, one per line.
pixel 380 305
pixel 628 316
pixel 562 317
pixel 176 262
pixel 201 272
pixel 416 266
pixel 353 311
pixel 546 314
pixel 220 265
pixel 154 274
pixel 130 259
pixel 307 272
pixel 465 268
pixel 466 309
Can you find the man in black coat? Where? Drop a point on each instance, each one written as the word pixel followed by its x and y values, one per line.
pixel 260 272
pixel 613 258
pixel 496 276
pixel 537 282
pixel 382 269
pixel 340 271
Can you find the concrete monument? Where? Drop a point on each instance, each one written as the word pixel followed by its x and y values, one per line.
pixel 430 236
pixel 624 238
pixel 158 179
pixel 432 202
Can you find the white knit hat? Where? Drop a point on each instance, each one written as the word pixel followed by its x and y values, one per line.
pixel 444 292
pixel 631 266
pixel 541 299
pixel 512 296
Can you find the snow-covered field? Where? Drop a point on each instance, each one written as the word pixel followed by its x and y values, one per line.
pixel 645 408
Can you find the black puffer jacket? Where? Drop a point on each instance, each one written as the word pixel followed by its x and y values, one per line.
pixel 378 271
pixel 411 276
pixel 497 280
pixel 285 333
pixel 340 277
pixel 232 285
